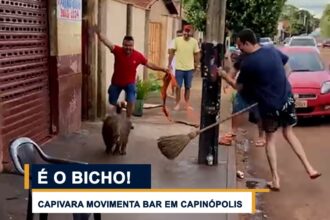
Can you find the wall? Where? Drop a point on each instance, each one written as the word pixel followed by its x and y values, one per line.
pixel 65 62
pixel 114 26
pixel 157 10
pixel 169 25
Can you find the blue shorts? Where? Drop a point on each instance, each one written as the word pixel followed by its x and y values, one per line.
pixel 240 103
pixel 184 76
pixel 114 92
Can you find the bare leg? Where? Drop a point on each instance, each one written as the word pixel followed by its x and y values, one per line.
pixel 261 136
pixel 297 147
pixel 178 98
pixel 272 160
pixel 130 109
pixel 260 131
pixel 187 95
pixel 236 122
pixel 173 87
pixel 187 98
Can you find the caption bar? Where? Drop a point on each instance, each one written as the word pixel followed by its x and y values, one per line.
pixel 142 202
pixel 94 176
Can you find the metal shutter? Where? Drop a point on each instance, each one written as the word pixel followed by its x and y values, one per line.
pixel 24 86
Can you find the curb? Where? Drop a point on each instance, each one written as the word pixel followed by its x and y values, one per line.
pixel 231 176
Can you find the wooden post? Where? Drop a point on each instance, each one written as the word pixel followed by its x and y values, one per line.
pixel 101 65
pixel 129 20
pixel 92 11
pixel 146 41
pixel 212 56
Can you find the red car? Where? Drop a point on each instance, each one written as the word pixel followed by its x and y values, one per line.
pixel 326 43
pixel 310 80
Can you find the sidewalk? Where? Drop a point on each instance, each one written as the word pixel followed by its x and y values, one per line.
pixel 184 172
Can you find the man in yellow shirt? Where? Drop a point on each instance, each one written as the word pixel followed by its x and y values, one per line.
pixel 186 52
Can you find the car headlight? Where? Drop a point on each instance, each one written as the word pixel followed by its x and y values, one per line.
pixel 325 87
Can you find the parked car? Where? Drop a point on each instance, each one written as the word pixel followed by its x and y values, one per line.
pixel 286 41
pixel 310 80
pixel 305 41
pixel 266 41
pixel 326 43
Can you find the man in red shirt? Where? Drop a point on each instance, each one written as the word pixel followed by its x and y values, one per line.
pixel 126 62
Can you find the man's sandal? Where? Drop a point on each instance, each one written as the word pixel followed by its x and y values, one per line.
pixel 225 141
pixel 260 143
pixel 315 176
pixel 230 135
pixel 272 188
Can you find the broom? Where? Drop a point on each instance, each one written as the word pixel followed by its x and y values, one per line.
pixel 172 146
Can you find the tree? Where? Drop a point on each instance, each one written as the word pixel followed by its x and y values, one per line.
pixel 195 11
pixel 325 22
pixel 260 15
pixel 300 21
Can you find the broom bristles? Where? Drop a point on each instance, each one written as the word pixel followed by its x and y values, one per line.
pixel 172 146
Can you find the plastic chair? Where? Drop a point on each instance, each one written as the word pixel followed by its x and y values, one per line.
pixel 25 151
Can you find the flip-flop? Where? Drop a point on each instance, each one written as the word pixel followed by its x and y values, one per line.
pixel 260 143
pixel 230 135
pixel 272 188
pixel 225 141
pixel 316 175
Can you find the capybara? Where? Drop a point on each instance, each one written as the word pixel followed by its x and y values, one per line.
pixel 115 131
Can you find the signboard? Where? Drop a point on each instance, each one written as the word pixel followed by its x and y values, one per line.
pixel 69 9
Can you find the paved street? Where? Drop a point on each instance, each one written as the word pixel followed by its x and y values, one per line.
pixel 300 198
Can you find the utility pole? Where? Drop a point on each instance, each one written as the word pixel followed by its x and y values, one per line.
pixel 211 59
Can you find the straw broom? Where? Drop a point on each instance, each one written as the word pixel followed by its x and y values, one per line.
pixel 172 146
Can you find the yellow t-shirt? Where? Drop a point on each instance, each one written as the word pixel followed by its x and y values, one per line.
pixel 184 53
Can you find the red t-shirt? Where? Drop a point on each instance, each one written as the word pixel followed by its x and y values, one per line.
pixel 125 66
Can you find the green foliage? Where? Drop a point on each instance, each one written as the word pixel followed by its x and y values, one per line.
pixel 325 22
pixel 145 87
pixel 195 11
pixel 155 83
pixel 260 15
pixel 300 21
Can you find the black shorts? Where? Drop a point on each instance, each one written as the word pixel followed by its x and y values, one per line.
pixel 281 118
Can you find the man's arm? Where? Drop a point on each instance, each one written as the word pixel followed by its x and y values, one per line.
pixel 171 53
pixel 230 77
pixel 287 69
pixel 196 59
pixel 103 38
pixel 197 52
pixel 156 68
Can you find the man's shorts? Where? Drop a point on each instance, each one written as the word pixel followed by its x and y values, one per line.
pixel 239 103
pixel 114 92
pixel 281 118
pixel 184 76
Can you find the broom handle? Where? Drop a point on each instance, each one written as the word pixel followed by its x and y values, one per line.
pixel 229 117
